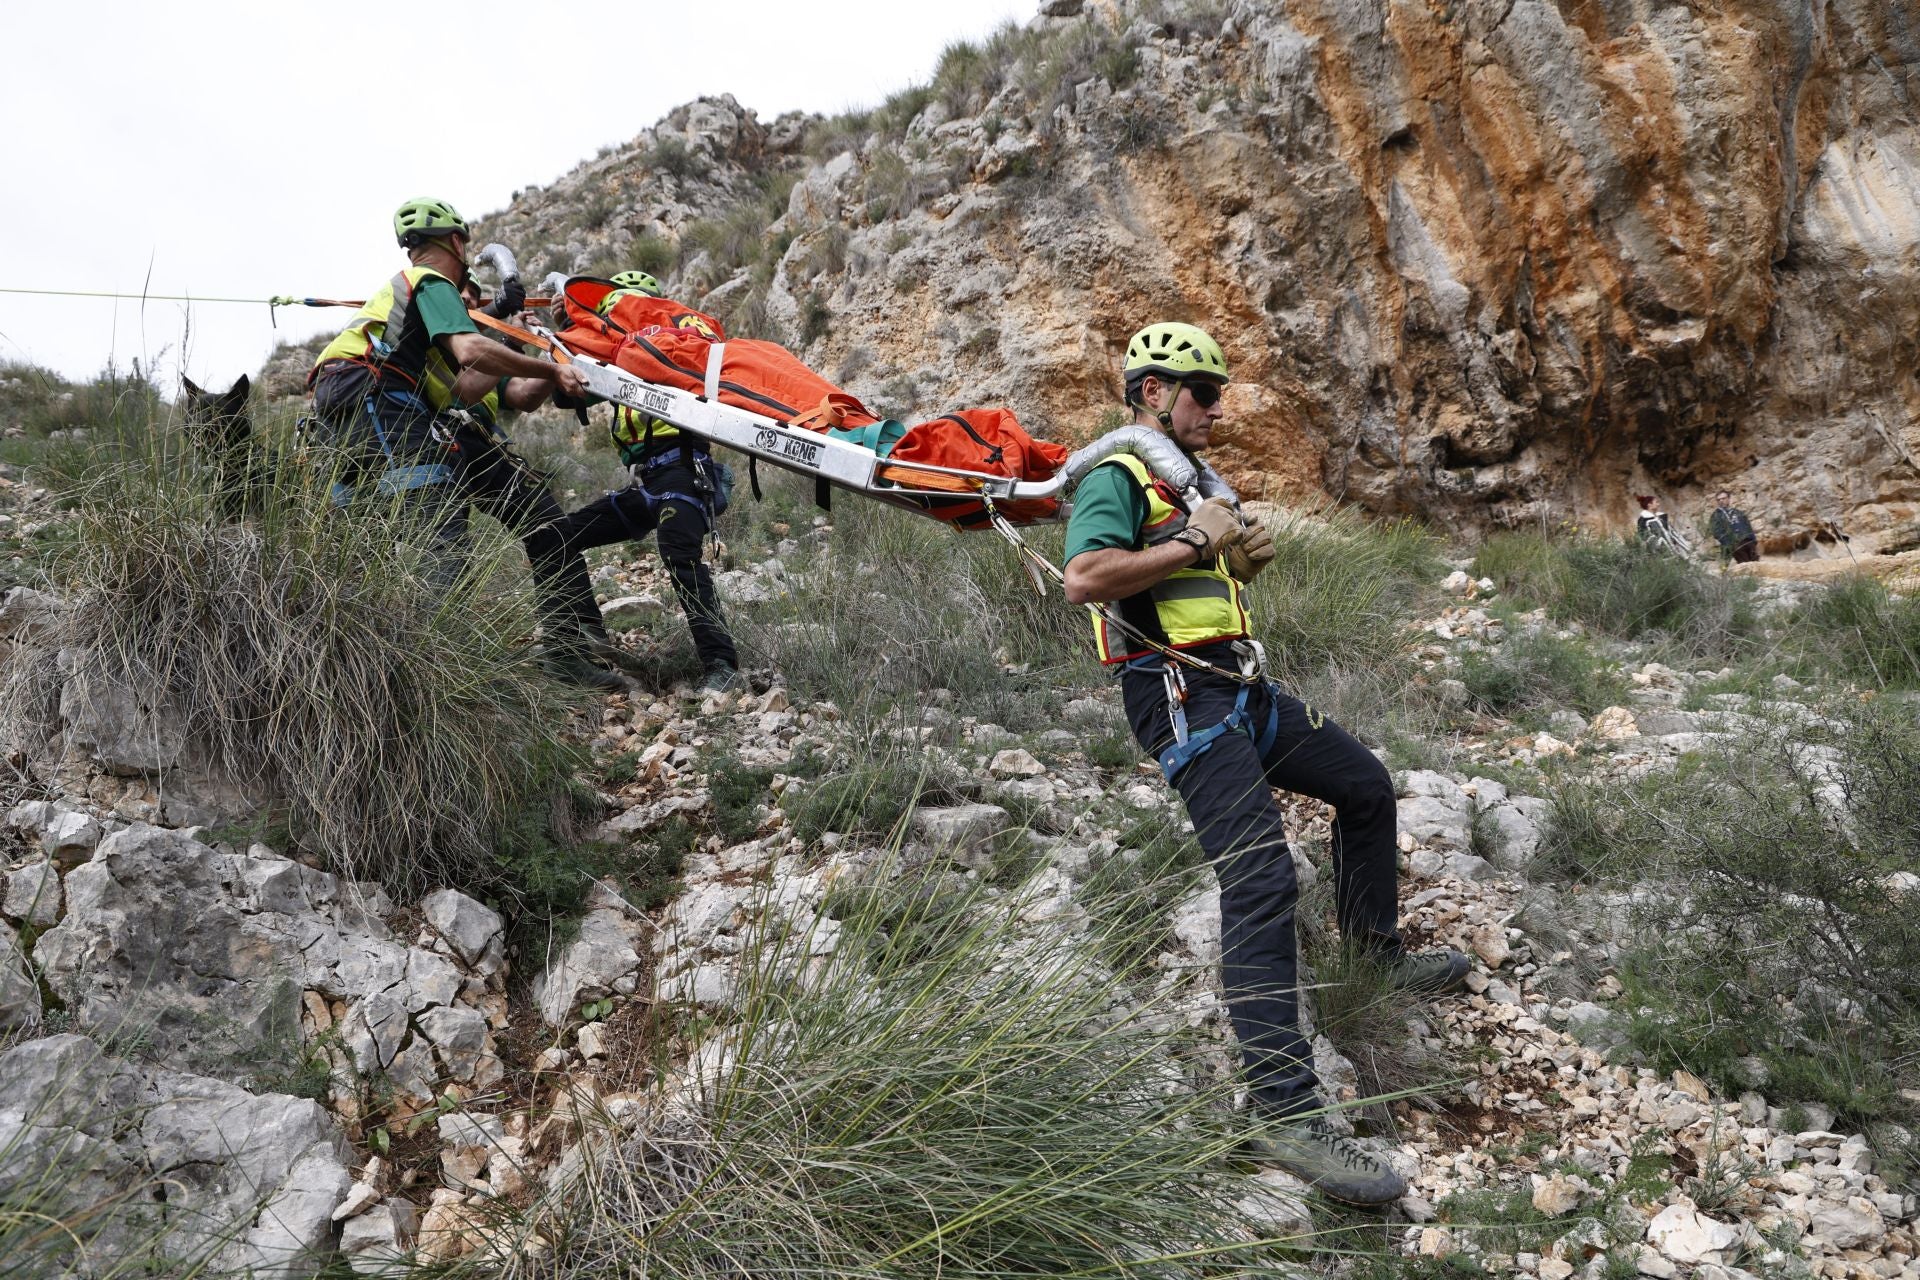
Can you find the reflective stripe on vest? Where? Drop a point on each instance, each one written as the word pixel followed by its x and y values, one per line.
pixel 373 338
pixel 439 386
pixel 636 433
pixel 1191 607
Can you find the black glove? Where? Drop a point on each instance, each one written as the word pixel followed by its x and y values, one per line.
pixel 512 297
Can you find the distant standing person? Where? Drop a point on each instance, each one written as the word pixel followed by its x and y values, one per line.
pixel 1732 530
pixel 1655 530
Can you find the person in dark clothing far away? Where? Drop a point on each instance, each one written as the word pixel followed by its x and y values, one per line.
pixel 1225 735
pixel 1655 529
pixel 1732 530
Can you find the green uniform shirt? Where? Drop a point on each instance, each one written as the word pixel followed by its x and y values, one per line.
pixel 1108 510
pixel 441 309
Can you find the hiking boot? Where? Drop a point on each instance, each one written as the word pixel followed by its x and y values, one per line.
pixel 571 668
pixel 625 659
pixel 1428 972
pixel 1338 1168
pixel 721 678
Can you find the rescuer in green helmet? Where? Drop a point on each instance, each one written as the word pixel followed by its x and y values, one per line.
pixel 1173 581
pixel 393 393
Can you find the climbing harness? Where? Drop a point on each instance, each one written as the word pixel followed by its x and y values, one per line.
pixel 1186 745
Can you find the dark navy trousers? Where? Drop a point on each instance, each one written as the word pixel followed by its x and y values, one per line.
pixel 1227 790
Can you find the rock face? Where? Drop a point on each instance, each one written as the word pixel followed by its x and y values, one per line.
pixel 165 1165
pixel 1490 261
pixel 209 956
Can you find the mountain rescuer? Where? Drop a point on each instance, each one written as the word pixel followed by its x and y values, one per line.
pixel 1732 530
pixel 677 489
pixel 1170 585
pixel 410 390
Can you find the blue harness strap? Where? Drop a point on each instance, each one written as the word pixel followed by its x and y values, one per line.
pixel 653 501
pixel 1179 754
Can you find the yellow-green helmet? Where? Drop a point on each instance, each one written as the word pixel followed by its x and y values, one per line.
pixel 1175 350
pixel 425 217
pixel 639 280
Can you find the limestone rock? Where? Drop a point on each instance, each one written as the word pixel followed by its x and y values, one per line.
pixel 1015 762
pixel 1612 725
pixel 213 951
pixel 254 1179
pixel 1276 1205
pixel 1854 1224
pixel 962 830
pixel 1686 1235
pixel 605 952
pixel 376 1242
pixel 1435 811
pixel 19 993
pixel 33 894
pixel 475 931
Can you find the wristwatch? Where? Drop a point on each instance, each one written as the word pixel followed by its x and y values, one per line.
pixel 1195 539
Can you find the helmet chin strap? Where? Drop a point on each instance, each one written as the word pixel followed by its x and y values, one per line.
pixel 1165 416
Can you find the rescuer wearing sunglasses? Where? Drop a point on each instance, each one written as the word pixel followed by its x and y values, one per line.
pixel 1169 585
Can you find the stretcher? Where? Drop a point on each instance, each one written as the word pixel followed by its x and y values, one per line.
pixel 914 486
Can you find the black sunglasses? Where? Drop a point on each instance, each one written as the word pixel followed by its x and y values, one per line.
pixel 1205 393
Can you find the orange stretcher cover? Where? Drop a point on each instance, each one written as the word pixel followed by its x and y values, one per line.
pixel 667 343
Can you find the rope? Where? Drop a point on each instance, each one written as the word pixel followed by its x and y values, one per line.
pixel 176 297
pixel 1112 618
pixel 278 300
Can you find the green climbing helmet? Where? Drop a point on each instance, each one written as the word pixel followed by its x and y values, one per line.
pixel 639 280
pixel 426 217
pixel 1175 350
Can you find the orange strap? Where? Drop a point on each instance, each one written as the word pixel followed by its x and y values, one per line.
pixel 559 353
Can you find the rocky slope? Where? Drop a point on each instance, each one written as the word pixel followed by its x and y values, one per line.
pixel 1494 262
pixel 130 922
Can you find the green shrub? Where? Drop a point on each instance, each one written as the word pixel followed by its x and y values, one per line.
pixel 674 156
pixel 1340 592
pixel 871 797
pixel 404 731
pixel 652 254
pixel 1622 589
pixel 964 77
pixel 896 604
pixel 921 1108
pixel 1133 890
pixel 737 790
pixel 1859 631
pixel 1770 923
pixel 1538 669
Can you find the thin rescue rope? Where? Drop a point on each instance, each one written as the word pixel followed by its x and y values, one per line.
pixel 176 297
pixel 1038 563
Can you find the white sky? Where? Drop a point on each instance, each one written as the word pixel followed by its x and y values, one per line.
pixel 248 150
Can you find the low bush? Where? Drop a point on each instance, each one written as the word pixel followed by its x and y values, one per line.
pixel 1623 589
pixel 871 797
pixel 1776 943
pixel 921 1108
pixel 1135 888
pixel 1340 592
pixel 1538 669
pixel 381 698
pixel 1858 630
pixel 895 605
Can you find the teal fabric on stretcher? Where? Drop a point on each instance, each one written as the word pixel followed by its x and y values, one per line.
pixel 877 438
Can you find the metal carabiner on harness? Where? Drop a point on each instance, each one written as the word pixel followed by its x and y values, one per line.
pixel 1176 686
pixel 1253 659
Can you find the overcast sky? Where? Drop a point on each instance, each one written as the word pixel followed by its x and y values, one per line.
pixel 248 150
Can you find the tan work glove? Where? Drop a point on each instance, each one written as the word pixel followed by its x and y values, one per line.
pixel 1252 553
pixel 1217 519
